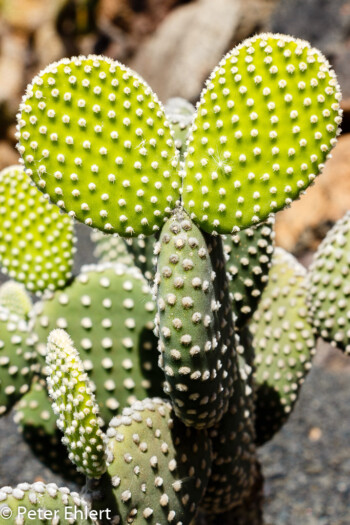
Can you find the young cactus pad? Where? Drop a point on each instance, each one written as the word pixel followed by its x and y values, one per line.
pixel 94 137
pixel 284 344
pixel 16 359
pixel 265 124
pixel 14 297
pixel 37 503
pixel 329 286
pixel 36 240
pixel 195 322
pixel 249 259
pixel 158 469
pixel 108 311
pixel 74 403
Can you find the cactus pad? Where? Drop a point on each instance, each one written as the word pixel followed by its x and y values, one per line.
pixel 329 287
pixel 249 259
pixel 16 359
pixel 158 469
pixel 180 114
pixel 37 424
pixel 95 138
pixel 42 504
pixel 14 297
pixel 108 312
pixel 265 124
pixel 110 248
pixel 75 405
pixel 283 342
pixel 36 240
pixel 195 325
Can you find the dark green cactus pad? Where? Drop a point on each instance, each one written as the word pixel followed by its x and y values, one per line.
pixel 36 240
pixel 158 468
pixel 234 469
pixel 16 359
pixel 249 259
pixel 329 286
pixel 37 424
pixel 75 405
pixel 180 114
pixel 94 137
pixel 195 322
pixel 265 124
pixel 284 344
pixel 108 311
pixel 14 297
pixel 43 504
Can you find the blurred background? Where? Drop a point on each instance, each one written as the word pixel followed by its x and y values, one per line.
pixel 174 45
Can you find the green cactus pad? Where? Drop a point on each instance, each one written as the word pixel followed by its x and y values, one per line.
pixel 265 124
pixel 249 259
pixel 284 344
pixel 94 137
pixel 14 297
pixel 108 311
pixel 195 322
pixel 111 248
pixel 233 440
pixel 158 468
pixel 36 240
pixel 75 405
pixel 142 251
pixel 329 288
pixel 37 424
pixel 16 359
pixel 180 114
pixel 29 504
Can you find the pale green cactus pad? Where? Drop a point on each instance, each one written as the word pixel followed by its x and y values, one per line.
pixel 142 251
pixel 75 405
pixel 249 255
pixel 37 503
pixel 195 324
pixel 265 124
pixel 36 240
pixel 37 424
pixel 111 248
pixel 14 297
pixel 284 344
pixel 180 114
pixel 158 469
pixel 94 137
pixel 329 286
pixel 16 359
pixel 233 441
pixel 108 311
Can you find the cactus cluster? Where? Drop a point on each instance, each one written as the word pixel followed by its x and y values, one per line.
pixel 161 395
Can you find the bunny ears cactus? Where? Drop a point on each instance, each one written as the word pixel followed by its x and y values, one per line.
pixel 95 138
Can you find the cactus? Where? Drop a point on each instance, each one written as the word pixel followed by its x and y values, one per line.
pixel 180 115
pixel 102 150
pixel 195 327
pixel 328 285
pixel 283 343
pixel 36 241
pixel 249 259
pixel 110 248
pixel 108 312
pixel 39 503
pixel 13 297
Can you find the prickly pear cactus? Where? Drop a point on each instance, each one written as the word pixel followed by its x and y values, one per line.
pixel 249 260
pixel 36 240
pixel 75 405
pixel 157 468
pixel 16 359
pixel 195 326
pixel 180 114
pixel 329 286
pixel 108 311
pixel 110 248
pixel 39 503
pixel 37 424
pixel 284 344
pixel 264 126
pixel 14 297
pixel 94 137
